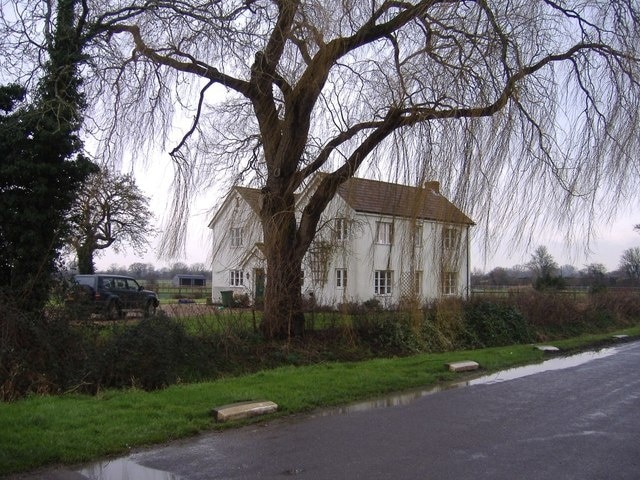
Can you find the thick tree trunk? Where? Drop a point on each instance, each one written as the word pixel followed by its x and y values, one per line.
pixel 283 316
pixel 85 260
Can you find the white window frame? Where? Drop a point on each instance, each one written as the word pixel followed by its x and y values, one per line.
pixel 382 282
pixel 341 278
pixel 384 233
pixel 237 237
pixel 342 230
pixel 417 282
pixel 450 283
pixel 418 234
pixel 236 278
pixel 450 237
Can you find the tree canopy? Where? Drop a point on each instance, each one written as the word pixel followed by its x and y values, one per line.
pixel 109 211
pixel 514 106
pixel 542 263
pixel 630 263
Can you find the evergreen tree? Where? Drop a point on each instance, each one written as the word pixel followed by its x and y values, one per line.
pixel 40 168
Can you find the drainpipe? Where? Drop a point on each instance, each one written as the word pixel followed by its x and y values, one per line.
pixel 468 265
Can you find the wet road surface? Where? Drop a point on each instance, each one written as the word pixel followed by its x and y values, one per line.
pixel 581 422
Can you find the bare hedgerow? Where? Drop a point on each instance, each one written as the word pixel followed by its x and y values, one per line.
pixel 443 327
pixel 43 353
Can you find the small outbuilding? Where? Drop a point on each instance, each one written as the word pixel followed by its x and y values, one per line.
pixel 187 280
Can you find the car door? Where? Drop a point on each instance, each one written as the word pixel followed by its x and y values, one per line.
pixel 118 287
pixel 135 298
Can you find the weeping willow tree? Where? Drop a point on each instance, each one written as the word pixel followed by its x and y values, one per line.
pixel 519 108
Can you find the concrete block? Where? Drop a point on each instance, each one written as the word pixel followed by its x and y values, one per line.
pixel 463 366
pixel 241 410
pixel 620 337
pixel 548 348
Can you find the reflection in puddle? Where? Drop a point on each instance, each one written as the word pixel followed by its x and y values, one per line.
pixel 124 469
pixel 406 398
pixel 394 400
pixel 558 363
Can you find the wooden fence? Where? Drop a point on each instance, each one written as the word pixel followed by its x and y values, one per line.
pixel 169 293
pixel 572 291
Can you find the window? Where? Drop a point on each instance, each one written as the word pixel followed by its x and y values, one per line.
pixel 236 237
pixel 382 282
pixel 450 283
pixel 384 233
pixel 417 282
pixel 341 277
pixel 236 278
pixel 341 231
pixel 132 285
pixel 417 239
pixel 450 238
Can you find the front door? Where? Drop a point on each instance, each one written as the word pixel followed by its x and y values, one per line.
pixel 258 286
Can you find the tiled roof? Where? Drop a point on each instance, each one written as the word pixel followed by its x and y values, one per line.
pixel 392 199
pixel 251 196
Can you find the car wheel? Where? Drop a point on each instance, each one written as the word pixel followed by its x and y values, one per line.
pixel 113 311
pixel 150 309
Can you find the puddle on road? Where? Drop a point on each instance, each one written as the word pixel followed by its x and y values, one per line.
pixel 124 469
pixel 406 398
pixel 558 363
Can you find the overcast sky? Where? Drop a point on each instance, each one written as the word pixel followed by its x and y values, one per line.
pixel 155 181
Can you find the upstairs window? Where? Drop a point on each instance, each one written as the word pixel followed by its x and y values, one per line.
pixel 341 229
pixel 341 278
pixel 236 237
pixel 417 238
pixel 450 237
pixel 384 233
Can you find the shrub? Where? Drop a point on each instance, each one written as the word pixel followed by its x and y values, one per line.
pixel 388 333
pixel 492 324
pixel 150 354
pixel 409 303
pixel 549 282
pixel 41 354
pixel 623 306
pixel 241 300
pixel 443 325
pixel 552 314
pixel 372 305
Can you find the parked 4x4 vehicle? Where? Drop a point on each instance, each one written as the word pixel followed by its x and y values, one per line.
pixel 112 295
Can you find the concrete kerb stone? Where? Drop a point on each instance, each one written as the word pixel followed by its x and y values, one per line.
pixel 240 410
pixel 463 366
pixel 547 348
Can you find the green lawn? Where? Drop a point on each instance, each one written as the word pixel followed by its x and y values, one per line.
pixel 69 429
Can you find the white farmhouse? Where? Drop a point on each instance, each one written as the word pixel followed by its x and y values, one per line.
pixel 376 240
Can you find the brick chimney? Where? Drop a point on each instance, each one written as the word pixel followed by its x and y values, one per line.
pixel 433 185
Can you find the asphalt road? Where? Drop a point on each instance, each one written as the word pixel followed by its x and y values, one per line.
pixel 577 423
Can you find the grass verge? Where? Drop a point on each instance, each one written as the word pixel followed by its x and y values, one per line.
pixel 67 429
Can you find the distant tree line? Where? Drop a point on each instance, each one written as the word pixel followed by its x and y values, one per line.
pixel 148 272
pixel 542 271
